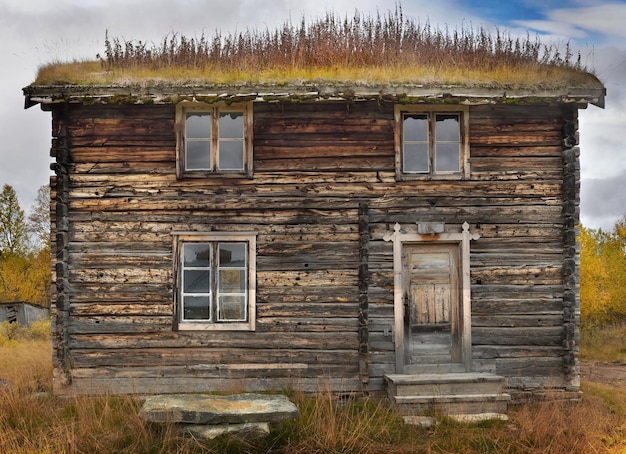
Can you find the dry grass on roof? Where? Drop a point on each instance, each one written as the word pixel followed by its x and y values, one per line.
pixel 361 49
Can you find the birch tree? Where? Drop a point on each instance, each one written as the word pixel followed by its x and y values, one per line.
pixel 13 227
pixel 39 218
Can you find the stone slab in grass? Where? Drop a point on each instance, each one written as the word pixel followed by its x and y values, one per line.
pixel 214 410
pixel 209 432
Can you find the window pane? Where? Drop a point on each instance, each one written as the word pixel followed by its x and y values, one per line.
pixel 231 125
pixel 196 308
pixel 232 281
pixel 197 254
pixel 415 158
pixel 231 155
pixel 447 128
pixel 447 157
pixel 415 128
pixel 232 255
pixel 198 125
pixel 232 308
pixel 196 281
pixel 198 155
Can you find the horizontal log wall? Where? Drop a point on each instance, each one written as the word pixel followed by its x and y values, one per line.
pixel 315 165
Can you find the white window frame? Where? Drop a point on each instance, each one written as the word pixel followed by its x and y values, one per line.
pixel 400 238
pixel 185 107
pixel 181 238
pixel 431 111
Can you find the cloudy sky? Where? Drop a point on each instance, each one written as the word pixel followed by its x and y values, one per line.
pixel 36 32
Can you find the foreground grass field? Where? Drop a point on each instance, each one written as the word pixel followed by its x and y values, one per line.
pixel 34 421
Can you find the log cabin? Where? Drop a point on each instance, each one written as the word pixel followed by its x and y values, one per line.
pixel 331 236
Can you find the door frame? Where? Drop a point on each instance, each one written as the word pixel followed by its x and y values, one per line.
pixel 463 239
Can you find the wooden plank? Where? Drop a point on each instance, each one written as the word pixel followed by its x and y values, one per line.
pixel 519 213
pixel 126 154
pixel 504 303
pixel 132 307
pixel 321 278
pixel 121 275
pixel 516 321
pixel 165 385
pixel 306 309
pixel 129 127
pixel 544 165
pixel 164 111
pixel 545 336
pixel 212 371
pixel 182 339
pixel 503 152
pixel 529 275
pixel 187 357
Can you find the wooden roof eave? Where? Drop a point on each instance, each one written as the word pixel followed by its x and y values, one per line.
pixel 404 94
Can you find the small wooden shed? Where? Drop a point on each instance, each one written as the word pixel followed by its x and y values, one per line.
pixel 22 312
pixel 314 236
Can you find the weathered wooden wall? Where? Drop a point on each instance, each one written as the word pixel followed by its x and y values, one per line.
pixel 322 197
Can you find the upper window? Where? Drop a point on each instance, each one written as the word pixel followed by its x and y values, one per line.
pixel 214 140
pixel 215 286
pixel 431 143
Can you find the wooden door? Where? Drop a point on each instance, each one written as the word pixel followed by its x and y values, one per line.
pixel 432 333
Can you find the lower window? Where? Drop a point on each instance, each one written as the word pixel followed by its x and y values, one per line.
pixel 215 283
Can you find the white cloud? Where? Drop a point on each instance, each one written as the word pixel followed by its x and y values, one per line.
pixel 555 28
pixel 580 22
pixel 608 18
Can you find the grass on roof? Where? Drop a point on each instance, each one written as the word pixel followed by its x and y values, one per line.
pixel 361 49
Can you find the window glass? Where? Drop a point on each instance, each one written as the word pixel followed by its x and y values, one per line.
pixel 198 155
pixel 447 157
pixel 232 275
pixel 232 254
pixel 197 254
pixel 230 155
pixel 232 281
pixel 447 128
pixel 415 128
pixel 196 308
pixel 231 125
pixel 415 158
pixel 196 281
pixel 198 125
pixel 232 308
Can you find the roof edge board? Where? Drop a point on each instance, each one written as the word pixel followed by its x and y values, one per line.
pixel 54 94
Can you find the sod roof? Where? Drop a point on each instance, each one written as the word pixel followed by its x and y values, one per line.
pixel 362 57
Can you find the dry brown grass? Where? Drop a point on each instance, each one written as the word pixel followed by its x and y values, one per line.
pixel 34 421
pixel 358 49
pixel 604 343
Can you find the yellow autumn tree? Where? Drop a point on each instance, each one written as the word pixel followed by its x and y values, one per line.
pixel 603 275
pixel 24 259
pixel 26 277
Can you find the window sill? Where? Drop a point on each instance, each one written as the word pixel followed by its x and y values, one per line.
pixel 200 326
pixel 202 174
pixel 430 177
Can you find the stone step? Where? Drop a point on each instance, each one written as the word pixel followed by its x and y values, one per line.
pixel 443 384
pixel 215 410
pixel 459 404
pixel 430 421
pixel 443 368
